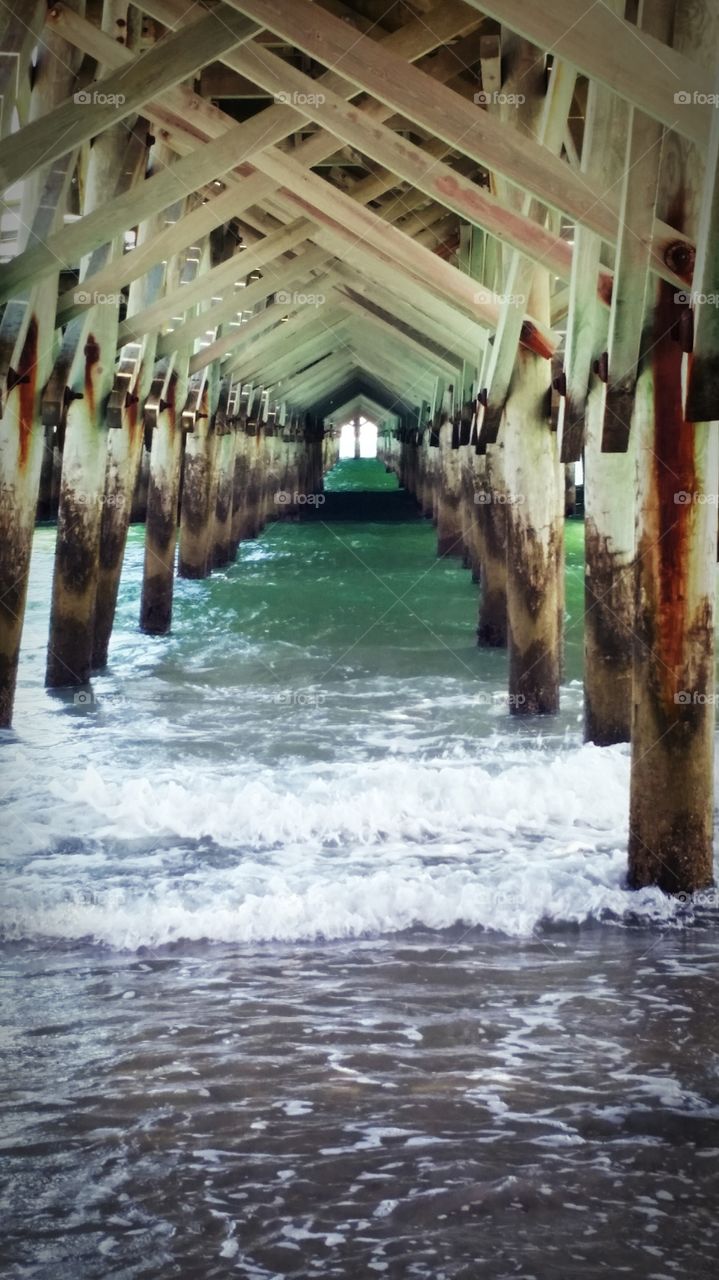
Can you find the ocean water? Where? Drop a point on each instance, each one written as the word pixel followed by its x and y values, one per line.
pixel 318 962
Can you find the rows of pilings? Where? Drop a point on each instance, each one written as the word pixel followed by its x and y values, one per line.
pixel 501 512
pixel 478 517
pixel 201 487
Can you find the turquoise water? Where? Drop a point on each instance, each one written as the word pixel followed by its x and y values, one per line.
pixel 318 963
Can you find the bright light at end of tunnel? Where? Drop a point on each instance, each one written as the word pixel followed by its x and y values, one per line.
pixel 368 439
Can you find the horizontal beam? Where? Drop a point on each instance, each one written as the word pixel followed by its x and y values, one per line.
pixel 490 141
pixel 606 48
pixel 121 93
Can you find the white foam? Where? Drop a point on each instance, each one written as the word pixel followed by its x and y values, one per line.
pixel 327 851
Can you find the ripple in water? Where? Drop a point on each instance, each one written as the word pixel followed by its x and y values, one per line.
pixel 317 964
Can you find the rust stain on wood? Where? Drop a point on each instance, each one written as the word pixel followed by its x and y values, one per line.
pixel 675 481
pixel 92 358
pixel 533 340
pixel 27 386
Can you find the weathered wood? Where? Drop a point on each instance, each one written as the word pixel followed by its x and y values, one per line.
pixel 413 42
pixel 702 396
pixel 165 408
pixel 304 192
pixel 27 352
pixel 120 94
pixel 608 482
pixel 671 788
pixel 640 68
pixel 477 134
pixel 284 275
pixel 414 164
pixel 605 123
pixel 638 209
pixel 198 476
pixel 238 339
pixel 534 484
pixel 222 277
pixel 133 382
pixel 513 323
pixel 90 341
pixel 159 192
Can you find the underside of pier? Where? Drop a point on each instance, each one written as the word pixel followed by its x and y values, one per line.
pixel 490 228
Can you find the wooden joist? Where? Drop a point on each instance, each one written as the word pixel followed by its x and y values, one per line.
pixel 120 94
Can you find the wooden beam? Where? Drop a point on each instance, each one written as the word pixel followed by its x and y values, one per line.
pixel 291 273
pixel 158 192
pixel 702 398
pixel 413 41
pixel 475 133
pixel 603 46
pixel 395 334
pixel 307 193
pixel 412 163
pixel 222 277
pixel 241 342
pixel 632 279
pixel 241 336
pixel 520 272
pixel 121 93
pixel 671 809
pixel 438 326
pixel 274 352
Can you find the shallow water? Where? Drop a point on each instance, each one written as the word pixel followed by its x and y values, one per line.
pixel 319 963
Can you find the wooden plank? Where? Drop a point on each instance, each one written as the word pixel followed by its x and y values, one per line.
pixel 671 814
pixel 520 268
pixel 412 41
pixel 605 123
pixel 439 326
pixel 120 94
pixel 702 397
pixel 318 335
pixel 414 164
pixel 366 308
pixel 222 277
pixel 288 274
pixel 492 143
pixel 158 192
pixel 233 346
pixel 309 194
pixel 632 280
pixel 603 46
pixel 440 360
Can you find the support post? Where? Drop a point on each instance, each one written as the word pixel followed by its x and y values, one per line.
pixel 165 409
pixel 671 791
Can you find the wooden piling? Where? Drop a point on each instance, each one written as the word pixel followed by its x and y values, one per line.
pixel 27 352
pixel 165 409
pixel 671 792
